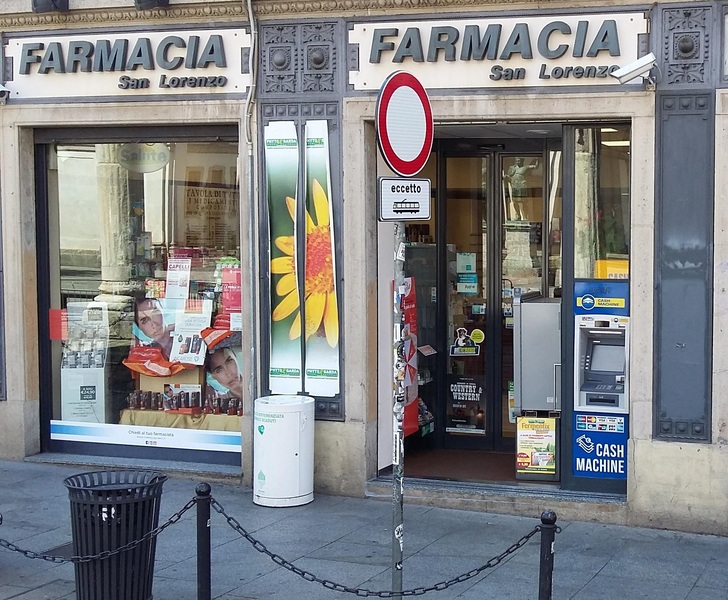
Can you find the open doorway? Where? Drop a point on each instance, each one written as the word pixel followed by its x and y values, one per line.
pixel 495 232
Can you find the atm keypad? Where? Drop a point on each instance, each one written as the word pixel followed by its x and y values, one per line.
pixel 608 387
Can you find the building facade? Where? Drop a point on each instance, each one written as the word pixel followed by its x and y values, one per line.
pixel 194 215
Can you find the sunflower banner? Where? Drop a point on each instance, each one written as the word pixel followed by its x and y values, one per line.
pixel 321 311
pixel 281 165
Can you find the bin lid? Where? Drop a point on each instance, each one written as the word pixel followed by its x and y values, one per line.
pixel 283 400
pixel 112 480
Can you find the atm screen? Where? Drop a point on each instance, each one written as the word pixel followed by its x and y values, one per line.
pixel 607 358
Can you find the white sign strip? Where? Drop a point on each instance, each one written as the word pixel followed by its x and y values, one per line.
pixel 157 437
pixel 130 64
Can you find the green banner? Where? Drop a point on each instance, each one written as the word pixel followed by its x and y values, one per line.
pixel 321 305
pixel 282 164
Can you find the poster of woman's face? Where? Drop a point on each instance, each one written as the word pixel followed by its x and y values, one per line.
pixel 224 372
pixel 154 323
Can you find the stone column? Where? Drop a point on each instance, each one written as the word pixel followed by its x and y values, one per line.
pixel 116 225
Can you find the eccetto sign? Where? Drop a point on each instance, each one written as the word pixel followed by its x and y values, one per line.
pixel 191 62
pixel 554 50
pixel 403 199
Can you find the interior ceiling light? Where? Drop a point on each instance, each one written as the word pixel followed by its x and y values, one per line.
pixel 40 6
pixel 538 131
pixel 150 4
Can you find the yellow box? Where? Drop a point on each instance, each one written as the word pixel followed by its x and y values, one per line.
pixel 612 268
pixel 193 376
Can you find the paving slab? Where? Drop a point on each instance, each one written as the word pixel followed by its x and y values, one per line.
pixel 348 541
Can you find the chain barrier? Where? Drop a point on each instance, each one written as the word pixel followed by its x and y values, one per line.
pixel 308 576
pixel 106 553
pixel 276 558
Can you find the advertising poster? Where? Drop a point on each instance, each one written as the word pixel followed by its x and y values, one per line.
pixel 606 297
pixel 187 345
pixel 83 394
pixel 411 387
pixel 224 373
pixel 231 290
pixel 321 308
pixel 178 278
pixel 465 405
pixel 536 445
pixel 211 215
pixel 281 165
pixel 467 284
pixel 600 446
pixel 467 343
pixel 232 300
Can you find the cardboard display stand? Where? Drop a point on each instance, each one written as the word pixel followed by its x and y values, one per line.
pixel 83 363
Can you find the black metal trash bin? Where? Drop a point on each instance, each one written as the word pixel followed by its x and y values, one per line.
pixel 110 509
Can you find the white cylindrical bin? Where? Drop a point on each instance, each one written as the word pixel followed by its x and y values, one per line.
pixel 283 450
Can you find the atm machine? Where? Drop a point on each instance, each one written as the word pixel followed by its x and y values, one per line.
pixel 601 349
pixel 601 381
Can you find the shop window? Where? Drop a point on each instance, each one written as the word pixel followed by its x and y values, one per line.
pixel 602 203
pixel 145 293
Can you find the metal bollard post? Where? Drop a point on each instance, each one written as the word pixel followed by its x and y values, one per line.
pixel 203 500
pixel 546 564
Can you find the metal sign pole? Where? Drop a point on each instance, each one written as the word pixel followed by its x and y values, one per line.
pixel 402 106
pixel 398 393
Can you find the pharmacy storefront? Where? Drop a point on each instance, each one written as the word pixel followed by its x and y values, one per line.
pixel 516 375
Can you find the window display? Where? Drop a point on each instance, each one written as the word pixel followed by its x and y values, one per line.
pixel 146 294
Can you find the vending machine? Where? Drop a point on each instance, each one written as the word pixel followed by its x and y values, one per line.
pixel 537 385
pixel 601 379
pixel 536 352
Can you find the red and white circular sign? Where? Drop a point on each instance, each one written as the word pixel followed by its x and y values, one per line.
pixel 405 129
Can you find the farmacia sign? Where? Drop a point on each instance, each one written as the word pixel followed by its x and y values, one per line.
pixel 136 64
pixel 505 52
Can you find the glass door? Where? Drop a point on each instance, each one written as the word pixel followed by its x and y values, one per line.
pixel 521 181
pixel 495 215
pixel 469 415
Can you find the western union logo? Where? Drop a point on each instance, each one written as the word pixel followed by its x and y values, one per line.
pixel 592 302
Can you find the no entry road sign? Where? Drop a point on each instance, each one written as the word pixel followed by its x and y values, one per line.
pixel 405 129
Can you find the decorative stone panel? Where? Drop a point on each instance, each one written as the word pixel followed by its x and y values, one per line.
pixel 298 59
pixel 686 45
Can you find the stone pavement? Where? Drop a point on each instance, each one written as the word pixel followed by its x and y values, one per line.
pixel 348 541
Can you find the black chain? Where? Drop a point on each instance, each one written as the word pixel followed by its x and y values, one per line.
pixel 308 576
pixel 106 553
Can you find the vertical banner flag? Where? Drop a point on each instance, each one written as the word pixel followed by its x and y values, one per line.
pixel 321 309
pixel 281 165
